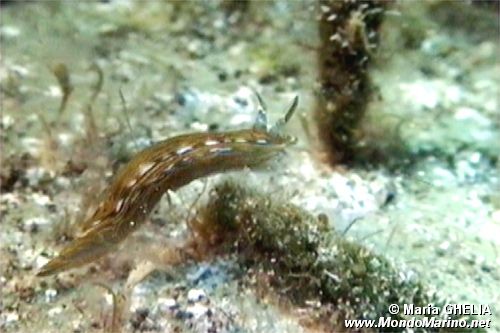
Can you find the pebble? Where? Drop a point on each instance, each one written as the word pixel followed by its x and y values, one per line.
pixel 41 200
pixel 196 295
pixel 196 310
pixel 9 31
pixel 36 221
pixel 11 317
pixel 469 166
pixel 6 122
pixel 443 248
pixel 50 295
pixel 167 304
pixel 54 311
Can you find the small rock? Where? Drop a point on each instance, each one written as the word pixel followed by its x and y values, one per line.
pixel 9 32
pixel 54 311
pixel 196 310
pixel 196 295
pixel 35 222
pixel 11 317
pixel 41 200
pixel 443 248
pixel 167 304
pixel 139 318
pixel 50 295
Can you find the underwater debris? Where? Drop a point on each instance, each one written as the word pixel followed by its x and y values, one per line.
pixel 119 302
pixel 303 259
pixel 97 87
pixel 349 37
pixel 62 75
pixel 167 165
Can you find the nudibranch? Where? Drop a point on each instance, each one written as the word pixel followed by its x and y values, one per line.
pixel 168 165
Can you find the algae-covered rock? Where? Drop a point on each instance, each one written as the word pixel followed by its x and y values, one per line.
pixel 304 260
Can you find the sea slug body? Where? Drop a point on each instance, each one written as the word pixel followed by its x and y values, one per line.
pixel 165 166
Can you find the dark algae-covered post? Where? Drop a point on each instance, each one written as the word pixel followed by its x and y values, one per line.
pixel 348 32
